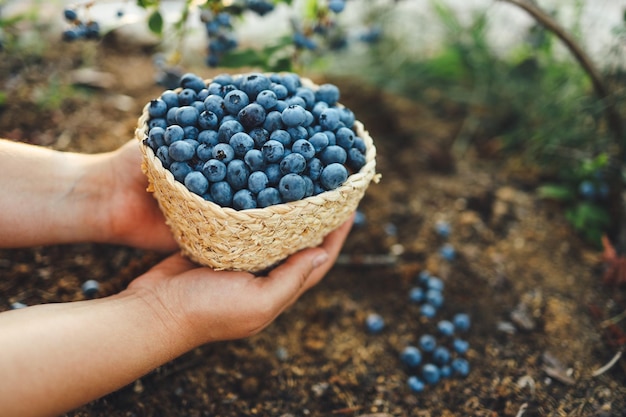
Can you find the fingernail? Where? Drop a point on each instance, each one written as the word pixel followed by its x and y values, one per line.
pixel 320 259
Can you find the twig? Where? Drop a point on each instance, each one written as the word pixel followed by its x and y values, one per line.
pixel 583 59
pixel 613 320
pixel 608 366
pixel 522 410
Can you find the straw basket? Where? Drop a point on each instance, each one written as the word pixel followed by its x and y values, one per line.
pixel 255 239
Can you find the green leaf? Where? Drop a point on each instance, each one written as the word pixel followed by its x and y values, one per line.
pixel 556 192
pixel 155 22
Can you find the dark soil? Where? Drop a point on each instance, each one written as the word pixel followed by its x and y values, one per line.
pixel 534 290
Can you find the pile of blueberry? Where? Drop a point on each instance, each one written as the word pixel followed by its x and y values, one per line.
pixel 254 140
pixel 438 355
pixel 79 28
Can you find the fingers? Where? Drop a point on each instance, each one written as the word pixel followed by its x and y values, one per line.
pixel 306 268
pixel 173 265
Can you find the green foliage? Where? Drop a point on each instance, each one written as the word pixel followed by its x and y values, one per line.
pixel 532 100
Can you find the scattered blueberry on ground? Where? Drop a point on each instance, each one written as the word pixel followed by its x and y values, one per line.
pixel 258 122
pixel 440 353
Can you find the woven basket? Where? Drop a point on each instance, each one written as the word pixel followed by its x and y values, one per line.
pixel 255 239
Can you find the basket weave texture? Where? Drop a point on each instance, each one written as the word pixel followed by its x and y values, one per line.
pixel 255 239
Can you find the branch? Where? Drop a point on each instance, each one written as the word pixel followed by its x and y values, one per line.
pixel 583 59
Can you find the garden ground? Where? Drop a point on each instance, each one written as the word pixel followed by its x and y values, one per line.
pixel 533 289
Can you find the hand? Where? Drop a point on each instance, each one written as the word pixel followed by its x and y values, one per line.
pixel 132 214
pixel 207 305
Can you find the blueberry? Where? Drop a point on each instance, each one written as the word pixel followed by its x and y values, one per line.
pixel 333 154
pixel 587 189
pixel 434 283
pixel 447 252
pixel 293 116
pixel 461 322
pixel 314 169
pixel 90 288
pixel 427 343
pixel 442 228
pixel 158 122
pixel 208 120
pixel 244 200
pixel 309 186
pixel 294 163
pixel 268 197
pixel 163 153
pixel 273 121
pixel 214 170
pixel 359 144
pixel 434 297
pixel 460 367
pixel 428 310
pixel 70 14
pixel 329 119
pixel 359 218
pixel 235 100
pixel 227 129
pixel 273 151
pixel 182 151
pixel 298 132
pixel 445 327
pixel 423 276
pixel 254 83
pixel 280 91
pixel 180 170
pixel 241 142
pixel 204 152
pixel 411 356
pixel 336 6
pixel 156 137
pixel 196 182
pixel 252 115
pixel 170 117
pixel 292 187
pixel 222 193
pixel 257 181
pixel 430 373
pixel 460 346
pixel 345 137
pixel 18 305
pixel 332 139
pixel 416 295
pixel 187 96
pixel 208 137
pixel 254 159
pixel 267 99
pixel 415 384
pixel 319 141
pixel 259 135
pixel 291 81
pixel 215 104
pixel 173 134
pixel 441 355
pixel 237 173
pixel 347 117
pixel 170 98
pixel 328 93
pixel 192 81
pixel 191 132
pixel 71 34
pixel 223 152
pixel 304 148
pixel 355 159
pixel 333 176
pixel 281 136
pixel 273 173
pixel 157 108
pixel 296 101
pixel 374 323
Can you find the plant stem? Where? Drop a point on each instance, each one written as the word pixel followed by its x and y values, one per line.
pixel 585 62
